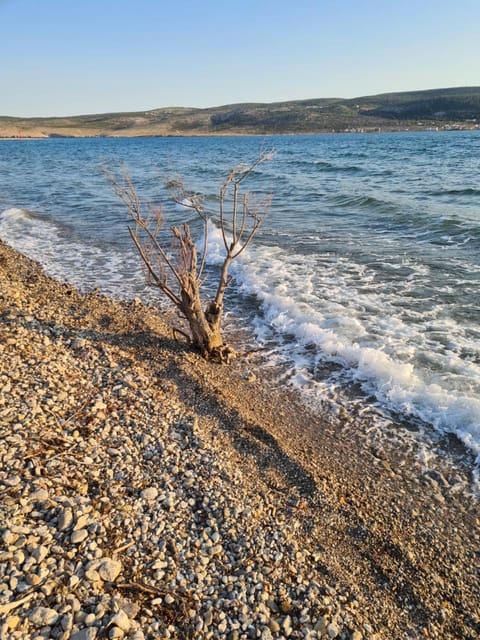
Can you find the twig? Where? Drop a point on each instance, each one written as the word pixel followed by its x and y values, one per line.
pixel 10 606
pixel 124 547
pixel 62 453
pixel 145 588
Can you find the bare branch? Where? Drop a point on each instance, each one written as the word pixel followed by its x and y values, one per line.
pixel 182 261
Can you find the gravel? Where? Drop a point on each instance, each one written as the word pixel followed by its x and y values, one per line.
pixel 130 508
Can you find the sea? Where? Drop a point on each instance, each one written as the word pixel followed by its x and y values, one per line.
pixel 361 290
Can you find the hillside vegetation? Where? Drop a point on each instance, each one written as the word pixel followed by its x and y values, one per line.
pixel 439 108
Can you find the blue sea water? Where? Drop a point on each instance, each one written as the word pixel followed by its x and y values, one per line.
pixel 363 287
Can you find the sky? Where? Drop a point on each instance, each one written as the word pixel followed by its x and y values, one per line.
pixel 66 57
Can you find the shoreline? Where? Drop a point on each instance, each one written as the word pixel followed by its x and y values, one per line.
pixel 120 425
pixel 241 134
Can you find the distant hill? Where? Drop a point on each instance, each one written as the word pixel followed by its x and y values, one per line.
pixel 438 108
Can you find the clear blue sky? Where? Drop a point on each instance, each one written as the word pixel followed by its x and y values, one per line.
pixel 65 57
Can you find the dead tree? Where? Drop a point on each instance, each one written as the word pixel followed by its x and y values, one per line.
pixel 178 270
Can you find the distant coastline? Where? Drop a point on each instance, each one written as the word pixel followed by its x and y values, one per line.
pixel 439 109
pixel 457 127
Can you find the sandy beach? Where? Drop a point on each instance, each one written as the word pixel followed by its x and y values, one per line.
pixel 146 493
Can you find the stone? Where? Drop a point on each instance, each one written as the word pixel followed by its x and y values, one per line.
pixel 208 618
pixel 81 522
pixel 121 620
pixel 43 617
pixel 109 569
pixel 321 625
pixel 287 626
pixel 40 553
pixel 333 630
pixel 12 622
pixel 90 633
pixel 150 493
pixel 67 622
pixel 89 619
pixel 8 537
pixel 40 495
pixel 65 519
pixel 274 626
pixel 79 536
pixel 11 481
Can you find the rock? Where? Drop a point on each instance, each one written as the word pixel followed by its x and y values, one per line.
pixel 121 620
pixel 9 537
pixel 333 630
pixel 150 493
pixel 208 618
pixel 67 622
pixel 81 522
pixel 40 495
pixel 12 622
pixel 90 633
pixel 12 481
pixel 109 569
pixel 321 625
pixel 79 536
pixel 43 617
pixel 287 626
pixel 40 553
pixel 89 619
pixel 65 519
pixel 285 605
pixel 274 626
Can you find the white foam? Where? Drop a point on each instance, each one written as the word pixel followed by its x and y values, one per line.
pixel 85 266
pixel 401 356
pixel 316 309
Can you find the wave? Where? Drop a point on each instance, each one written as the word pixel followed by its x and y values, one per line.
pixel 377 350
pixel 17 215
pixel 359 201
pixel 323 166
pixel 68 259
pixel 454 192
pixel 328 167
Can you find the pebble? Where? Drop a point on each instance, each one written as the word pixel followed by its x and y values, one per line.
pixel 121 620
pixel 333 630
pixel 134 485
pixel 89 633
pixel 43 617
pixel 109 569
pixel 150 493
pixel 40 495
pixel 79 536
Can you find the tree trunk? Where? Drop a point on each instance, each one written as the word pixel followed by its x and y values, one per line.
pixel 204 325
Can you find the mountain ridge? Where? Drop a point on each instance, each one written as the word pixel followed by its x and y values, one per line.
pixel 454 107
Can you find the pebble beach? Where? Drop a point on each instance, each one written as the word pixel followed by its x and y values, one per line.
pixel 146 493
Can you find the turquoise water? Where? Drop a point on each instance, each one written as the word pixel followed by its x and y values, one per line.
pixel 363 286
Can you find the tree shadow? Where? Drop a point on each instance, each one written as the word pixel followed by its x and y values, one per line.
pixel 249 438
